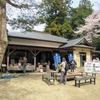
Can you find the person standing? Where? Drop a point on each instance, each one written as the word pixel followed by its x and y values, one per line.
pixel 72 64
pixel 63 72
pixel 24 64
pixel 20 60
pixel 97 59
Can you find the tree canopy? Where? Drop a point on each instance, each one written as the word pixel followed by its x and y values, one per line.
pixel 55 13
pixel 61 19
pixel 96 43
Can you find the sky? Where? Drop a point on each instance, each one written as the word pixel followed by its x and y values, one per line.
pixel 75 4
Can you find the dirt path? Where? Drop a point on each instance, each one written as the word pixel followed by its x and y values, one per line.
pixel 31 87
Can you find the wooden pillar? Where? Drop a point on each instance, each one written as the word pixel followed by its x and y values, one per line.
pixel 8 54
pixel 35 61
pixel 34 54
pixel 8 59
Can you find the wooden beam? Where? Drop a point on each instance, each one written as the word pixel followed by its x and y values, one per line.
pixel 30 48
pixel 63 50
pixel 39 48
pixel 11 52
pixel 34 54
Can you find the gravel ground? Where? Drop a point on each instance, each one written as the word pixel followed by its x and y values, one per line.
pixel 31 87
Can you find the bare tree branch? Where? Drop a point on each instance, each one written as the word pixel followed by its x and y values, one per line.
pixel 17 6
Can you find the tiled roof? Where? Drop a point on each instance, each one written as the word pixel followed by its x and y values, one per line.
pixel 71 43
pixel 38 36
pixel 76 42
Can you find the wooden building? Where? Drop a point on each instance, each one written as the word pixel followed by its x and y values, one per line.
pixel 38 47
pixel 41 47
pixel 81 50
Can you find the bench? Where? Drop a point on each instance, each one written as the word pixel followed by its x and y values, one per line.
pixel 44 76
pixel 48 78
pixel 78 80
pixel 53 73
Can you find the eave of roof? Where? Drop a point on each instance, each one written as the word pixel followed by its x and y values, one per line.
pixel 95 51
pixel 84 46
pixel 81 46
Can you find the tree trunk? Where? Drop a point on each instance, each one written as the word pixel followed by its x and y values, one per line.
pixel 3 34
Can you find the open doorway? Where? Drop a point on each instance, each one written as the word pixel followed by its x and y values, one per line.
pixel 82 58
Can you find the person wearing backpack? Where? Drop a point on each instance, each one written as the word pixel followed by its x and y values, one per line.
pixel 72 64
pixel 63 71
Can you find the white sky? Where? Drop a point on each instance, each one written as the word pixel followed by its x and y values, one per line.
pixel 75 4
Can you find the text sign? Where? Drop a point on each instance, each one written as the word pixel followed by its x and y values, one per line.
pixel 88 67
pixel 93 67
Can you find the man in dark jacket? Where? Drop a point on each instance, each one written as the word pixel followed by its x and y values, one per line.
pixel 72 64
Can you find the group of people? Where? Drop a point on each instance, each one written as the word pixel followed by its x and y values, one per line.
pixel 23 62
pixel 63 70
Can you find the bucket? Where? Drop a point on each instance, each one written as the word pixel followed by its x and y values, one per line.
pixel 41 70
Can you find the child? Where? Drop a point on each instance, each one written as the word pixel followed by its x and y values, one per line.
pixel 59 67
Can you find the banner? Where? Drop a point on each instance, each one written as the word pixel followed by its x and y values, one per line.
pixel 92 67
pixel 70 56
pixel 57 58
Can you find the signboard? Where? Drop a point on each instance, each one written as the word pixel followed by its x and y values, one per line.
pixel 92 67
pixel 88 67
pixel 96 67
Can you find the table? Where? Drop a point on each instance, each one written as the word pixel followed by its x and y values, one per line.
pixel 69 75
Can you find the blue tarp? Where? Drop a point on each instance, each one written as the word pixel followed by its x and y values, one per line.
pixel 57 58
pixel 70 56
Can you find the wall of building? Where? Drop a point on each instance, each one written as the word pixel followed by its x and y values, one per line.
pixel 37 43
pixel 77 52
